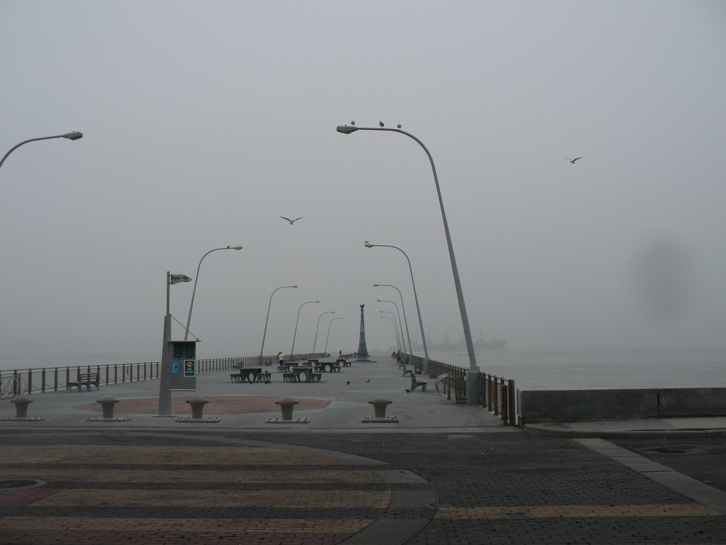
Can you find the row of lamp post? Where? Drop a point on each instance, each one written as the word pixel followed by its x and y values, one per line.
pixel 473 373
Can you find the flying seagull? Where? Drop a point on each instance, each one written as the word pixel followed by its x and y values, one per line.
pixel 291 221
pixel 573 160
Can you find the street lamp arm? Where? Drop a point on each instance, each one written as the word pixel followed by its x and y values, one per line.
pixel 196 279
pixel 415 296
pixel 473 367
pixel 264 333
pixel 70 136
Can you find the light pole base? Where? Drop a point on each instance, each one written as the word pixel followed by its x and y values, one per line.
pixel 472 387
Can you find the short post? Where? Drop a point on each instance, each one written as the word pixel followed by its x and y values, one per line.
pixel 379 406
pixel 21 406
pixel 107 405
pixel 197 404
pixel 287 404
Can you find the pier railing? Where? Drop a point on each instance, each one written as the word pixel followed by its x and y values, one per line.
pixel 496 394
pixel 52 379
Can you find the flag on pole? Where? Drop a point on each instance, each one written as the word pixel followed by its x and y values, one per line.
pixel 176 278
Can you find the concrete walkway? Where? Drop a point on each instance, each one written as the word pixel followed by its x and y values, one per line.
pixel 445 473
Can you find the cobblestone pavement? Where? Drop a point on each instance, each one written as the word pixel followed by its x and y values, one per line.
pixel 108 486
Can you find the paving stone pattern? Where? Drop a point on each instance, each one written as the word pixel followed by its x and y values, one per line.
pixel 223 487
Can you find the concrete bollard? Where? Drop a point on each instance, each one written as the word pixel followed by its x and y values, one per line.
pixel 379 406
pixel 197 404
pixel 107 405
pixel 21 406
pixel 286 404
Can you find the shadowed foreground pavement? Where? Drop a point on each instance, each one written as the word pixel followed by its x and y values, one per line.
pixel 445 474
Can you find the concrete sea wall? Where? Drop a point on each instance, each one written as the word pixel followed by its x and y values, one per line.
pixel 603 404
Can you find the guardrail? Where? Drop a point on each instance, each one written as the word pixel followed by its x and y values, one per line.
pixel 496 394
pixel 51 379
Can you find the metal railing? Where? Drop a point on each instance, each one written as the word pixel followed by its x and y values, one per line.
pixel 496 394
pixel 52 379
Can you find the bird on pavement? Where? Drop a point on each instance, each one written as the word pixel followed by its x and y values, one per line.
pixel 368 380
pixel 573 160
pixel 291 221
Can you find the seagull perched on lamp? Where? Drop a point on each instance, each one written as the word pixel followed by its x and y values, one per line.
pixel 291 221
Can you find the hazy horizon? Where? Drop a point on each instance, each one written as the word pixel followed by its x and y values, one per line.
pixel 205 122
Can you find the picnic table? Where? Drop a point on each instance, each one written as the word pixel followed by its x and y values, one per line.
pixel 250 374
pixel 301 374
pixel 330 367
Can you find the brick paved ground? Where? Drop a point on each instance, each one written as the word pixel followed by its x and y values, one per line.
pixel 223 486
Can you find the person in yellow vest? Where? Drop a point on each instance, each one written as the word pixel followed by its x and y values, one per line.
pixel 280 359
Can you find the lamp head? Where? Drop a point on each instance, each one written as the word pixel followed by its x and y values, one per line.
pixel 376 285
pixel 346 129
pixel 235 247
pixel 75 135
pixel 369 245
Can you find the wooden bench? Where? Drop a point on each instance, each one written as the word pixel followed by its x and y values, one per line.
pixel 289 377
pixel 416 382
pixel 85 379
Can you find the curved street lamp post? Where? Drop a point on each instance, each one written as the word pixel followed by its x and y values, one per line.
pixel 196 279
pixel 264 333
pixel 292 350
pixel 328 335
pixel 395 329
pixel 75 135
pixel 472 376
pixel 415 297
pixel 405 318
pixel 400 322
pixel 318 327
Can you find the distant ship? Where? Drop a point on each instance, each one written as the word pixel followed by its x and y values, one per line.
pixel 480 344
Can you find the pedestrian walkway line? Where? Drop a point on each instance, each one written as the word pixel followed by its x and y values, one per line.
pixel 577 511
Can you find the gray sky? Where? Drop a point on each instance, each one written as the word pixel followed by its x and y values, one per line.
pixel 205 121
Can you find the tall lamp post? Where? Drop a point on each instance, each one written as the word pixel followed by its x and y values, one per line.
pixel 165 382
pixel 400 322
pixel 328 335
pixel 395 329
pixel 318 327
pixel 472 377
pixel 196 279
pixel 69 135
pixel 292 350
pixel 403 308
pixel 415 297
pixel 264 333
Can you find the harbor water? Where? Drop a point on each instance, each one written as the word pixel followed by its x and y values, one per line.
pixel 683 368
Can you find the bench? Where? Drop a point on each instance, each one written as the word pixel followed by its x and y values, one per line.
pixel 289 377
pixel 330 367
pixel 460 389
pixel 315 377
pixel 407 372
pixel 416 382
pixel 85 379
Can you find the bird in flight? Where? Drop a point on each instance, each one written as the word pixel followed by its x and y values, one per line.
pixel 573 160
pixel 291 221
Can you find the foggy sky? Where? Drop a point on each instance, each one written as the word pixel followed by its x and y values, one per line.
pixel 205 121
